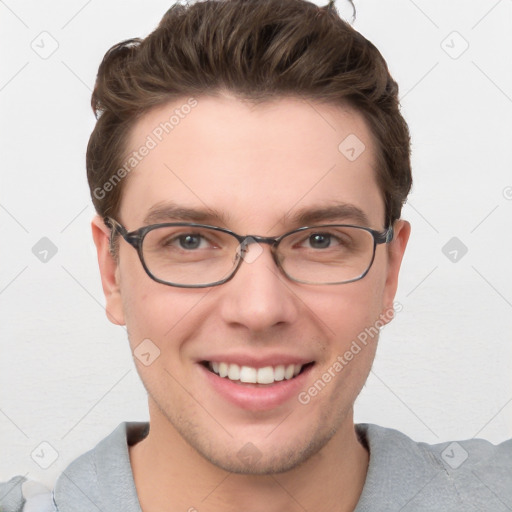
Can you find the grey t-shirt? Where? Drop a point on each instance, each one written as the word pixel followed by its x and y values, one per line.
pixel 403 475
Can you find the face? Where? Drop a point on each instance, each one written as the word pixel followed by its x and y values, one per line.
pixel 259 170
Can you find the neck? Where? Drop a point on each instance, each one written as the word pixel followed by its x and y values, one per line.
pixel 170 474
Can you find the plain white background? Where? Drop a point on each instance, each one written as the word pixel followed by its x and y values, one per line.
pixel 443 366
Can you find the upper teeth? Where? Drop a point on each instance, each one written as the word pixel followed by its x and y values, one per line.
pixel 265 375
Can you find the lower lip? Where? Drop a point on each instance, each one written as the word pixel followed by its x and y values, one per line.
pixel 253 397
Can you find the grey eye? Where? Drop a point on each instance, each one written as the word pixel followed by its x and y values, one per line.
pixel 320 240
pixel 190 241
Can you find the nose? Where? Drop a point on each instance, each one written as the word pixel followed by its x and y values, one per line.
pixel 258 296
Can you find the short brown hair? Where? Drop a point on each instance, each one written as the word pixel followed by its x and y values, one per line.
pixel 259 50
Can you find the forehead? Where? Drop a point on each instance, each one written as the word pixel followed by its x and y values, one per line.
pixel 250 165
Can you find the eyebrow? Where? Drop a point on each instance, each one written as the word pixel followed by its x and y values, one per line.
pixel 168 211
pixel 340 211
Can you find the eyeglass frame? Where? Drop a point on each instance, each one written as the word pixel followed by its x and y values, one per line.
pixel 136 238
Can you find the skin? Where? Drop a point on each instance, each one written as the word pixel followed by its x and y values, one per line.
pixel 255 167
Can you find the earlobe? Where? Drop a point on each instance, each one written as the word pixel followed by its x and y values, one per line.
pixel 396 250
pixel 109 271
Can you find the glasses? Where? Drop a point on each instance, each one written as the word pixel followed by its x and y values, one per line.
pixel 190 255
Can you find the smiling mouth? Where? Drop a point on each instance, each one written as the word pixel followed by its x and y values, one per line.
pixel 250 375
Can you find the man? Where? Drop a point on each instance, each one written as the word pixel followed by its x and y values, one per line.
pixel 248 167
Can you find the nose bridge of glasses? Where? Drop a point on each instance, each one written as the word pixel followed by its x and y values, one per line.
pixel 248 240
pixel 255 239
pixel 255 252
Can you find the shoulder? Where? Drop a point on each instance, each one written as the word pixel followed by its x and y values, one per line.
pixel 102 477
pixel 461 475
pixel 22 495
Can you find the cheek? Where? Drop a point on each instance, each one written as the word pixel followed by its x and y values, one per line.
pixel 147 305
pixel 166 316
pixel 347 310
pixel 351 317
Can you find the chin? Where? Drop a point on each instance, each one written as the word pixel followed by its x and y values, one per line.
pixel 263 456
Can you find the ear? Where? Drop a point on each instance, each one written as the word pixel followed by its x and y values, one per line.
pixel 109 271
pixel 396 250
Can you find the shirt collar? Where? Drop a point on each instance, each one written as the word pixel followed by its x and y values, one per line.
pixel 102 480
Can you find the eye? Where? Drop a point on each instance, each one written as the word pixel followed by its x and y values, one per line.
pixel 323 240
pixel 185 240
pixel 190 241
pixel 320 240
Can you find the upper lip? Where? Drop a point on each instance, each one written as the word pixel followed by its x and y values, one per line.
pixel 259 361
